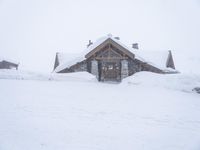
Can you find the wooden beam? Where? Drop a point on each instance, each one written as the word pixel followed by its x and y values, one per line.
pixel 107 58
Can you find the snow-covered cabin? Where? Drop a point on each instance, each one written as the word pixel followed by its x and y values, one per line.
pixel 110 60
pixel 8 64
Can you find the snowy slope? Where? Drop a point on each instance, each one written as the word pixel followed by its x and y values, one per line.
pixel 145 112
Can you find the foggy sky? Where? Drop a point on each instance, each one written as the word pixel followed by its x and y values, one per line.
pixel 32 31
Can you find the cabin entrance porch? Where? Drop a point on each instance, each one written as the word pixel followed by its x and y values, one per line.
pixel 110 71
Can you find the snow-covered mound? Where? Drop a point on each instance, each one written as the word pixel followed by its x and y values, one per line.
pixel 76 76
pixel 181 82
pixel 140 113
pixel 21 75
pixel 27 75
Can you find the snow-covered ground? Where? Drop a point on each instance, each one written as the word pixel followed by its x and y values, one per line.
pixel 146 111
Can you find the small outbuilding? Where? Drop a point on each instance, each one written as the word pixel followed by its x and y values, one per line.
pixel 110 60
pixel 8 64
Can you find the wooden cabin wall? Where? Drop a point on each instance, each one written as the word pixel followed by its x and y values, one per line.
pixel 148 67
pixel 81 66
pixel 66 70
pixel 78 67
pixel 137 66
pixel 134 66
pixel 89 64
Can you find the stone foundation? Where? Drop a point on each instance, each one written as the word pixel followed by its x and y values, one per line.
pixel 124 69
pixel 94 68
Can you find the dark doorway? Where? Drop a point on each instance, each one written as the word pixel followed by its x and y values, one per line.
pixel 110 71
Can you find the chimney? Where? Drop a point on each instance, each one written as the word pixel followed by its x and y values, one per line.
pixel 135 46
pixel 90 43
pixel 117 38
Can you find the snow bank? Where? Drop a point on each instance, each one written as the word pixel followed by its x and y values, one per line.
pixel 137 114
pixel 8 59
pixel 21 75
pixel 76 76
pixel 27 75
pixel 181 82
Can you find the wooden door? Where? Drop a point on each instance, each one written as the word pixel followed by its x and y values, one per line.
pixel 110 71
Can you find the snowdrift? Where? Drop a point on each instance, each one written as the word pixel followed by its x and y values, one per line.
pixel 27 75
pixel 181 82
pixel 144 112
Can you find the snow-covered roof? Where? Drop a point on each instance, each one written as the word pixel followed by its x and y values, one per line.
pixel 8 60
pixel 68 59
pixel 154 58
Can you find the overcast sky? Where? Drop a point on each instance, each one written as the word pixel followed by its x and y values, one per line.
pixel 32 31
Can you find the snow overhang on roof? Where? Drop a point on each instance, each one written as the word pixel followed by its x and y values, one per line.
pixel 157 59
pixel 8 60
pixel 67 60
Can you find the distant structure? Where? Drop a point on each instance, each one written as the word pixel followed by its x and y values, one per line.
pixel 7 64
pixel 110 60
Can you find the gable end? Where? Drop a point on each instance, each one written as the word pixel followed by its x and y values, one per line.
pixel 115 44
pixel 170 61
